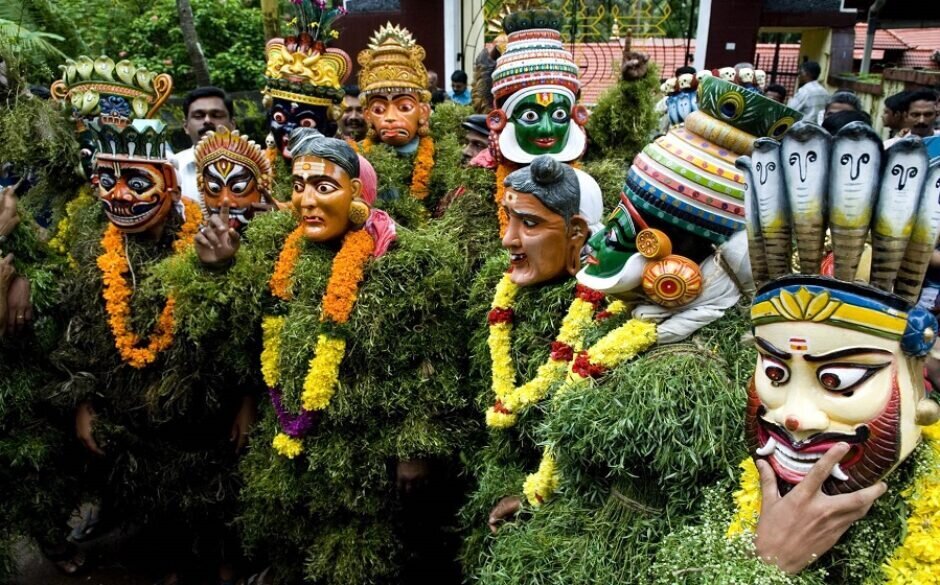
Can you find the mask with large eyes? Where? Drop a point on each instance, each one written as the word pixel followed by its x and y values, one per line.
pixel 136 196
pixel 396 118
pixel 613 264
pixel 542 123
pixel 227 182
pixel 286 115
pixel 744 109
pixel 819 381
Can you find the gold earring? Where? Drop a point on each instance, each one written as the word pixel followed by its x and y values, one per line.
pixel 423 128
pixel 358 212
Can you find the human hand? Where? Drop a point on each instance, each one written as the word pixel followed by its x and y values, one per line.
pixel 216 242
pixel 244 419
pixel 84 427
pixel 796 529
pixel 9 217
pixel 19 307
pixel 505 510
pixel 7 272
pixel 411 475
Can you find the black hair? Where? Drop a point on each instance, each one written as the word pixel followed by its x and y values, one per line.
pixel 920 95
pixel 844 97
pixel 208 91
pixel 812 69
pixel 458 76
pixel 898 102
pixel 836 121
pixel 777 88
pixel 553 183
pixel 684 70
pixel 309 142
pixel 352 90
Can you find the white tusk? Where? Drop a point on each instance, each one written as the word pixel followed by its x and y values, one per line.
pixel 768 447
pixel 838 473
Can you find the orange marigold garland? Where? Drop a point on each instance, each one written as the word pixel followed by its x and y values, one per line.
pixel 502 171
pixel 423 164
pixel 284 268
pixel 117 294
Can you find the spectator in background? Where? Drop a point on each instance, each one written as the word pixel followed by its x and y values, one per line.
pixel 776 92
pixel 842 101
pixel 892 117
pixel 811 98
pixel 438 95
pixel 204 108
pixel 460 93
pixel 921 113
pixel 352 125
pixel 476 139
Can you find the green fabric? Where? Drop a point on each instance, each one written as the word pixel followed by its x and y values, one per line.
pixel 332 514
pixel 635 451
pixel 702 554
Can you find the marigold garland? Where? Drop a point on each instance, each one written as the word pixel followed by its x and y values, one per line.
pixel 502 171
pixel 336 306
pixel 423 164
pixel 63 232
pixel 616 347
pixel 117 294
pixel 509 398
pixel 916 561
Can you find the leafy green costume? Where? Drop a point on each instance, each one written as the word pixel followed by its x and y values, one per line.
pixel 164 427
pixel 634 450
pixel 333 514
pixel 703 553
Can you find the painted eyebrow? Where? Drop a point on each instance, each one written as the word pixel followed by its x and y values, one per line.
pixel 772 349
pixel 839 353
pixel 520 215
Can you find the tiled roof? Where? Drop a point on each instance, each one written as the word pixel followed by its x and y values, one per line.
pixel 919 58
pixel 600 62
pixel 919 38
pixel 884 38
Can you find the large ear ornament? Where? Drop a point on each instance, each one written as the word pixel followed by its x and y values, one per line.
pixel 580 115
pixel 920 333
pixel 496 120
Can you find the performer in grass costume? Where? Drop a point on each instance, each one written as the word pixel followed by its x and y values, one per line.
pixel 841 485
pixel 361 322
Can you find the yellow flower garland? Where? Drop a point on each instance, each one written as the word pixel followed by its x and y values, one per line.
pixel 336 306
pixel 618 346
pixel 63 233
pixel 117 294
pixel 917 560
pixel 510 399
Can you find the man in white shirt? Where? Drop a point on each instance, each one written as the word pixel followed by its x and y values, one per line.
pixel 810 100
pixel 205 109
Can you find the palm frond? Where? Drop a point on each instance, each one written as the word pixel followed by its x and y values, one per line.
pixel 23 39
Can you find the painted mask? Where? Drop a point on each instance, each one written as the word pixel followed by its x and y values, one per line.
pixel 746 76
pixel 668 86
pixel 396 117
pixel 728 74
pixel 285 115
pixel 87 149
pixel 231 170
pixel 837 362
pixel 539 242
pixel 686 80
pixel 137 196
pixel 760 78
pixel 322 195
pixel 542 123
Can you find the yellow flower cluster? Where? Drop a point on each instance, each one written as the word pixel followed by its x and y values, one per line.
pixel 286 446
pixel 747 500
pixel 917 560
pixel 510 399
pixel 539 486
pixel 271 328
pixel 63 233
pixel 320 382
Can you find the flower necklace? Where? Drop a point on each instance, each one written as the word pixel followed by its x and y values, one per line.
pixel 117 294
pixel 336 306
pixel 423 164
pixel 915 559
pixel 616 347
pixel 510 399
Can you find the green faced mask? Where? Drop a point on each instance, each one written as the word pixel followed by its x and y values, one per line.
pixel 542 123
pixel 615 263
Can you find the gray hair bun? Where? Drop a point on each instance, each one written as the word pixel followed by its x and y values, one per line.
pixel 546 170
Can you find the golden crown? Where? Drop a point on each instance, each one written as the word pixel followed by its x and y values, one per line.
pixel 305 72
pixel 393 62
pixel 115 91
pixel 230 145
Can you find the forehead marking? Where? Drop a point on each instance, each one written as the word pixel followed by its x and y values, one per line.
pixel 317 168
pixel 544 98
pixel 798 344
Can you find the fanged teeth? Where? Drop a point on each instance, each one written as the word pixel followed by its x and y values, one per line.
pixel 795 461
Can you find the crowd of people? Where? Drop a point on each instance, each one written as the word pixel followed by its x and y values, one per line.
pixel 416 336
